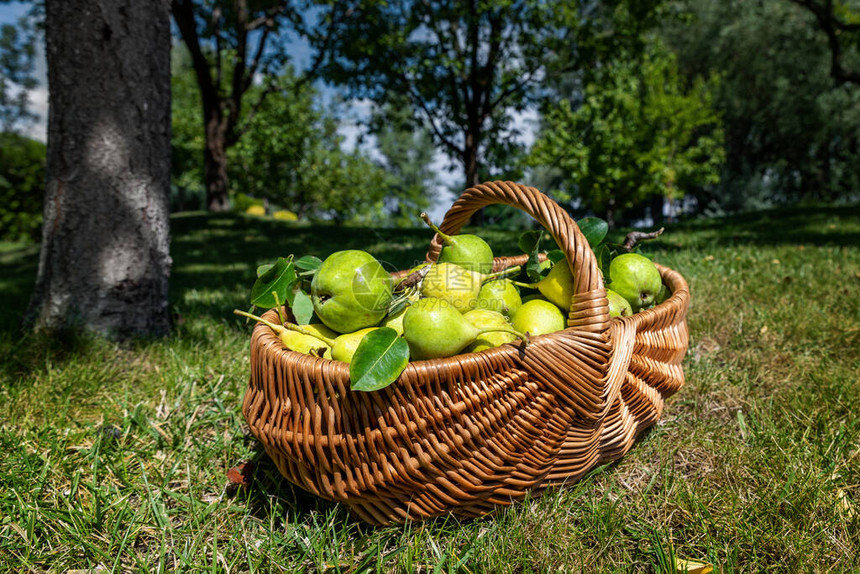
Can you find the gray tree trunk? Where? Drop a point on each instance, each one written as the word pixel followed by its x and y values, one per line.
pixel 105 260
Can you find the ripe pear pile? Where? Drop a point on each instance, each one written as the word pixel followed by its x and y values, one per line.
pixel 458 305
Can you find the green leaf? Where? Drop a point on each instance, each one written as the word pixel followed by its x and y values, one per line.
pixel 555 255
pixel 308 263
pixel 278 278
pixel 300 304
pixel 378 361
pixel 594 229
pixel 529 241
pixel 604 258
pixel 263 268
pixel 533 269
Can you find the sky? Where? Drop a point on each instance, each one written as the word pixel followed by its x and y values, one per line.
pixel 357 111
pixel 9 14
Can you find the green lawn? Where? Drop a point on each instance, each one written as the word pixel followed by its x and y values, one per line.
pixel 116 454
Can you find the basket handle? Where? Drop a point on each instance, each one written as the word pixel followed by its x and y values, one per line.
pixel 588 309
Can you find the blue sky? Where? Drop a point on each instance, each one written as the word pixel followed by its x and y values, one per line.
pixel 9 14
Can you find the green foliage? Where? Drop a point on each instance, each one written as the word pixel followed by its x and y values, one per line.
pixel 791 132
pixel 187 138
pixel 243 201
pixel 291 154
pixel 464 67
pixel 407 151
pixel 22 186
pixel 639 132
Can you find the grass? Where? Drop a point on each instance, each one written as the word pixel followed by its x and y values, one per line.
pixel 116 455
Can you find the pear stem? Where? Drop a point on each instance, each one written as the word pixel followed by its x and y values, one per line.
pixel 446 239
pixel 502 273
pixel 526 285
pixel 523 336
pixel 285 327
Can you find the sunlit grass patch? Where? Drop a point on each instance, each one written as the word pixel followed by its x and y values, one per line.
pixel 117 454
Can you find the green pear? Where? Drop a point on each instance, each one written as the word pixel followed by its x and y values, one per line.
pixel 306 344
pixel 557 286
pixel 533 296
pixel 344 346
pixel 319 330
pixel 307 339
pixel 350 291
pixel 395 321
pixel 538 317
pixel 433 328
pixel 618 305
pixel 454 284
pixel 635 278
pixel 468 251
pixel 485 319
pixel 499 295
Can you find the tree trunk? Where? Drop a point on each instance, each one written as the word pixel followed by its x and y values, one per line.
pixel 104 261
pixel 609 213
pixel 470 166
pixel 470 161
pixel 215 166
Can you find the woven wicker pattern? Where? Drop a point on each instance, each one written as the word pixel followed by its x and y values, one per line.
pixel 468 433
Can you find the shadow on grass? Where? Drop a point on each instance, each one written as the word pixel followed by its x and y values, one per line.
pixel 215 256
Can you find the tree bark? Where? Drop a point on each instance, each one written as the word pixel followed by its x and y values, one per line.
pixel 215 166
pixel 104 261
pixel 470 161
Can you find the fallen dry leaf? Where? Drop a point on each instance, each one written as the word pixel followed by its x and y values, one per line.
pixel 846 507
pixel 242 473
pixel 692 566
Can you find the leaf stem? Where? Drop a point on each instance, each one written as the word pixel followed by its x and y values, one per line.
pixel 526 285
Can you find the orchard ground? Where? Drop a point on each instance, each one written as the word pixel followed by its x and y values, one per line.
pixel 117 454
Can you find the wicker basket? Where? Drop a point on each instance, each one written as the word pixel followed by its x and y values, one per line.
pixel 468 433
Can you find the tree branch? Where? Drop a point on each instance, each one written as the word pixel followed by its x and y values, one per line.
pixel 635 237
pixel 419 101
pixel 186 21
pixel 239 131
pixel 255 63
pixel 215 22
pixel 239 63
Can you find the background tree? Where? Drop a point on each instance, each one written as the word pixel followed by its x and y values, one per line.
pixel 104 259
pixel 465 67
pixel 840 22
pixel 291 154
pixel 638 133
pixel 17 51
pixel 791 133
pixel 235 45
pixel 407 154
pixel 22 186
